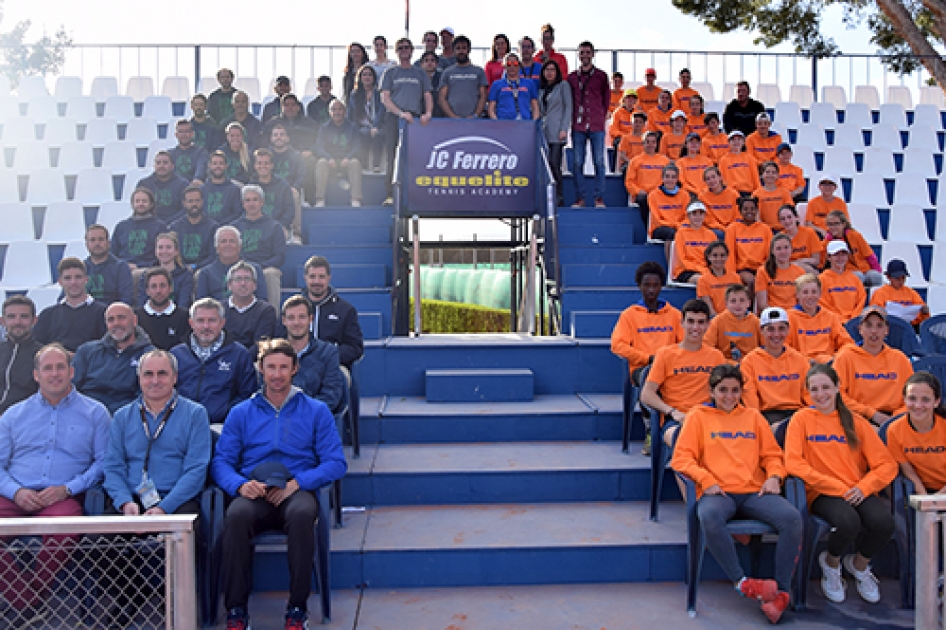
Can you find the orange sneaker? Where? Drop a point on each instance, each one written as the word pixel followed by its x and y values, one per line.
pixel 773 610
pixel 765 590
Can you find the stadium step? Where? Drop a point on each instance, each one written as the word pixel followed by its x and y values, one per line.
pixel 479 385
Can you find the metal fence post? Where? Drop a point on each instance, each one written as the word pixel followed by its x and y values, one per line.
pixel 197 68
pixel 814 77
pixel 184 587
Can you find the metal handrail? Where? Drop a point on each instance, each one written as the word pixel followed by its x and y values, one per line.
pixel 930 512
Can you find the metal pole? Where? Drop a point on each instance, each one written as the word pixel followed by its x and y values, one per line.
pixel 513 297
pixel 418 319
pixel 814 78
pixel 197 68
pixel 185 582
pixel 528 291
pixel 927 554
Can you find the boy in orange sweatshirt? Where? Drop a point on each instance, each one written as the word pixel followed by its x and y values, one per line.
pixel 843 292
pixel 775 373
pixel 897 291
pixel 673 141
pixel 715 142
pixel 689 245
pixel 790 176
pixel 621 118
pixel 632 143
pixel 763 142
pixel 644 174
pixel 735 331
pixel 820 206
pixel 740 170
pixel 816 332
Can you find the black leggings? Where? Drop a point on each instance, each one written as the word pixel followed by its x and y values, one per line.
pixel 869 525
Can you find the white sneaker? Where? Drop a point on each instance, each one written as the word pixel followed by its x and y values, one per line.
pixel 867 585
pixel 832 583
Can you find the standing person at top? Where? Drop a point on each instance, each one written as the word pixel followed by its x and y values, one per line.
pixel 650 91
pixel 366 111
pixel 682 95
pixel 357 57
pixel 591 97
pixel 431 42
pixel 406 93
pixel 496 65
pixel 863 261
pixel 381 63
pixel 447 57
pixel 281 87
pixel 511 98
pixel 250 124
pixel 555 105
pixel 531 67
pixel 917 439
pixel 739 478
pixel 763 142
pixel 463 85
pixel 844 465
pixel 742 111
pixel 548 52
pixel 220 101
pixel 429 64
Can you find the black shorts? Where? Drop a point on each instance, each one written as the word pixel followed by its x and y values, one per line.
pixel 685 276
pixel 664 233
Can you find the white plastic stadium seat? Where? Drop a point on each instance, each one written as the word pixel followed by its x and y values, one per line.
pixel 936 298
pixel 209 84
pixel 67 87
pixel 111 212
pixel 928 115
pixel 17 222
pixel 908 253
pixel 74 157
pixel 879 161
pixel 81 109
pixel 835 95
pixel 120 157
pixel 31 156
pixel 102 88
pixel 849 136
pixel 42 108
pixel 139 88
pixel 804 157
pixel 912 188
pixel 894 114
pixel 865 220
pixel 250 85
pixel 17 130
pixel 705 89
pixel 715 106
pixel 933 95
pixel 900 94
pixel 924 137
pixel 141 131
pixel 858 114
pixel 178 89
pixel 45 186
pixel 132 178
pixel 839 160
pixel 58 131
pixel 728 93
pixel 160 144
pixel 64 222
pixel 788 115
pixel 886 135
pixel 44 297
pixel 812 136
pixel 26 265
pixel 940 235
pixel 9 108
pixel 823 115
pixel 920 161
pixel 121 108
pixel 869 190
pixel 867 94
pixel 30 87
pixel 94 186
pixel 312 86
pixel 908 224
pixel 9 186
pixel 159 108
pixel 101 130
pixel 75 249
pixel 768 93
pixel 801 94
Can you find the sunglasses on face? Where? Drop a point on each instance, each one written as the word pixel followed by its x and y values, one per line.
pixel 512 64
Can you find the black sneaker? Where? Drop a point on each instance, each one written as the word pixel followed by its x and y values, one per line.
pixel 296 619
pixel 237 619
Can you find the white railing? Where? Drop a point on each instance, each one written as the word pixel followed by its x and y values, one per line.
pixel 930 530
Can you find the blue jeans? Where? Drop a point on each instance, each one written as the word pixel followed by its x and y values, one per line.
pixel 579 140
pixel 716 510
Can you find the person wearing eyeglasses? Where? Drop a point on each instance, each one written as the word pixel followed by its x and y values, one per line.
pixel 511 98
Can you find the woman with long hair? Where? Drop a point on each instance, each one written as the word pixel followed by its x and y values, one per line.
pixel 775 280
pixel 917 438
pixel 496 65
pixel 555 107
pixel 863 259
pixel 806 245
pixel 739 477
pixel 843 463
pixel 367 112
pixel 168 252
pixel 357 57
pixel 235 148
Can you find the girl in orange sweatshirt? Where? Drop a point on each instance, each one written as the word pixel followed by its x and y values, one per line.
pixel 771 197
pixel 806 244
pixel 693 165
pixel 917 439
pixel 775 280
pixel 711 287
pixel 740 170
pixel 863 261
pixel 730 453
pixel 689 245
pixel 844 465
pixel 722 202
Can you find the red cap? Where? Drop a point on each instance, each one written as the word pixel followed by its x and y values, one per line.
pixel 650 72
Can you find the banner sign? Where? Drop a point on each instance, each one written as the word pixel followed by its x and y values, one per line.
pixel 470 168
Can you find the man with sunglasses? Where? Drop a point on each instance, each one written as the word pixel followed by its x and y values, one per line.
pixel 407 94
pixel 512 98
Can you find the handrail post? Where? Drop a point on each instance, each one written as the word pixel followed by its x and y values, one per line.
pixel 814 77
pixel 196 68
pixel 418 319
pixel 527 312
pixel 929 513
pixel 181 560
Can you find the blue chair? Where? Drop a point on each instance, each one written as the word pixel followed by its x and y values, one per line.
pixel 905 519
pixel 630 396
pixel 901 336
pixel 660 455
pixel 696 544
pixel 343 415
pixel 275 540
pixel 933 334
pixel 934 364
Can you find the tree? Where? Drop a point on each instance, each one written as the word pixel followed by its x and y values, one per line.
pixel 907 31
pixel 21 59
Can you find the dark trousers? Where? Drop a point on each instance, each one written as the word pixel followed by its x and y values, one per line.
pixel 247 518
pixel 869 525
pixel 391 126
pixel 555 162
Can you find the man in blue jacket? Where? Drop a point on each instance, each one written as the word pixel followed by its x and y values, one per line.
pixel 278 427
pixel 319 374
pixel 105 368
pixel 214 370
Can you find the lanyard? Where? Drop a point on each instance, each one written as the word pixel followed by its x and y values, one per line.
pixel 515 97
pixel 157 432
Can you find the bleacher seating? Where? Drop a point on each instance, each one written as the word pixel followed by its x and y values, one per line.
pixel 30 87
pixel 908 225
pixel 159 108
pixel 81 108
pixel 67 87
pixel 103 88
pixel 835 95
pixel 857 114
pixel 139 88
pixel 75 156
pixel 900 94
pixel 886 135
pixel 58 131
pixel 17 222
pixel 801 94
pixel 867 95
pixel 63 222
pixel 121 108
pixel 178 89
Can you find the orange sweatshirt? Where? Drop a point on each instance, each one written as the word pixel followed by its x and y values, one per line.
pixel 843 293
pixel 722 208
pixel 736 451
pixel 620 123
pixel 818 210
pixel 780 290
pixel 763 149
pixel 715 146
pixel 726 330
pixel 659 120
pixel 667 210
pixel 775 383
pixel 748 244
pixel 816 450
pixel 691 172
pixel 689 244
pixel 697 126
pixel 790 177
pixel 904 295
pixel 714 288
pixel 672 143
pixel 647 98
pixel 818 337
pixel 923 451
pixel 616 97
pixel 740 171
pixel 639 333
pixel 644 173
pixel 631 145
pixel 806 244
pixel 872 383
pixel 681 98
pixel 682 377
pixel 770 202
pixel 862 256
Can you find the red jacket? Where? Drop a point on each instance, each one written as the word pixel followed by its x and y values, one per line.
pixel 591 97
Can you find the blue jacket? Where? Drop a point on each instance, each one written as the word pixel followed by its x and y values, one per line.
pixel 179 457
pixel 190 163
pixel 107 375
pixel 211 282
pixel 227 377
pixel 222 202
pixel 109 281
pixel 134 237
pixel 264 241
pixel 319 375
pixel 301 435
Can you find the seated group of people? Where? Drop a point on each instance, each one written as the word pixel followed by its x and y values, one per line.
pixel 725 385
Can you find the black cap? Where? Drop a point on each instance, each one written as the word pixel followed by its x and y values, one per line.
pixel 896 268
pixel 273 474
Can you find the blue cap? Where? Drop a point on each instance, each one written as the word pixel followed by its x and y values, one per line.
pixel 273 474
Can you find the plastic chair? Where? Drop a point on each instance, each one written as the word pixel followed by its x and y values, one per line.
pixel 823 114
pixel 864 218
pixel 142 132
pixel 908 253
pixel 30 87
pixel 858 115
pixel 121 108
pixel 901 336
pixel 911 188
pixel 67 87
pixel 19 129
pixel 839 160
pixel 879 161
pixel 17 222
pixel 31 156
pixel 9 186
pixel 45 186
pixel 835 95
pixel 869 190
pixel 102 88
pixel 251 86
pixel 59 131
pixel 768 93
pixel 75 156
pixel 801 94
pixel 178 89
pixel 933 335
pixel 927 115
pixel 788 115
pixel 26 265
pixel 804 157
pixel 94 186
pixel 100 131
pixel 908 224
pixel 812 135
pixel 919 160
pixel 850 136
pixel 159 144
pixel 159 108
pixel 630 396
pixel 886 135
pixel 120 157
pixel 111 212
pixel 132 177
pixel 64 222
pixel 44 297
pixel 924 137
pixel 900 94
pixel 705 89
pixel 9 108
pixel 900 490
pixel 866 95
pixel 660 455
pixel 932 96
pixel 894 114
pixel 81 108
pixel 206 85
pixel 43 108
pixel 139 88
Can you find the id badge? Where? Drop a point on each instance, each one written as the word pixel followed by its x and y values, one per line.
pixel 148 493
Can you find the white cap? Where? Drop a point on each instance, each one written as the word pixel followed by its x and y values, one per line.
pixel 836 246
pixel 677 113
pixel 447 29
pixel 828 177
pixel 772 315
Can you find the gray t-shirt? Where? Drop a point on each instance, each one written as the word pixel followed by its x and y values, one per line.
pixel 407 87
pixel 464 83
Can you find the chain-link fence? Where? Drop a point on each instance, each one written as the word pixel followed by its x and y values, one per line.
pixel 98 572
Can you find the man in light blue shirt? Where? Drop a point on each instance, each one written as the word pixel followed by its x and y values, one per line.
pixel 52 446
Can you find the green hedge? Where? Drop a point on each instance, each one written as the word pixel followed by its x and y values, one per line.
pixel 452 317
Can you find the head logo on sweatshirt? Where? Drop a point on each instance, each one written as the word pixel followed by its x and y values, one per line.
pixel 924 450
pixel 823 439
pixel 733 435
pixel 879 376
pixel 778 378
pixel 693 369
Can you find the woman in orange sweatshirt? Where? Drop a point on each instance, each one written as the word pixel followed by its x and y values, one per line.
pixel 917 439
pixel 775 280
pixel 844 465
pixel 730 453
pixel 712 286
